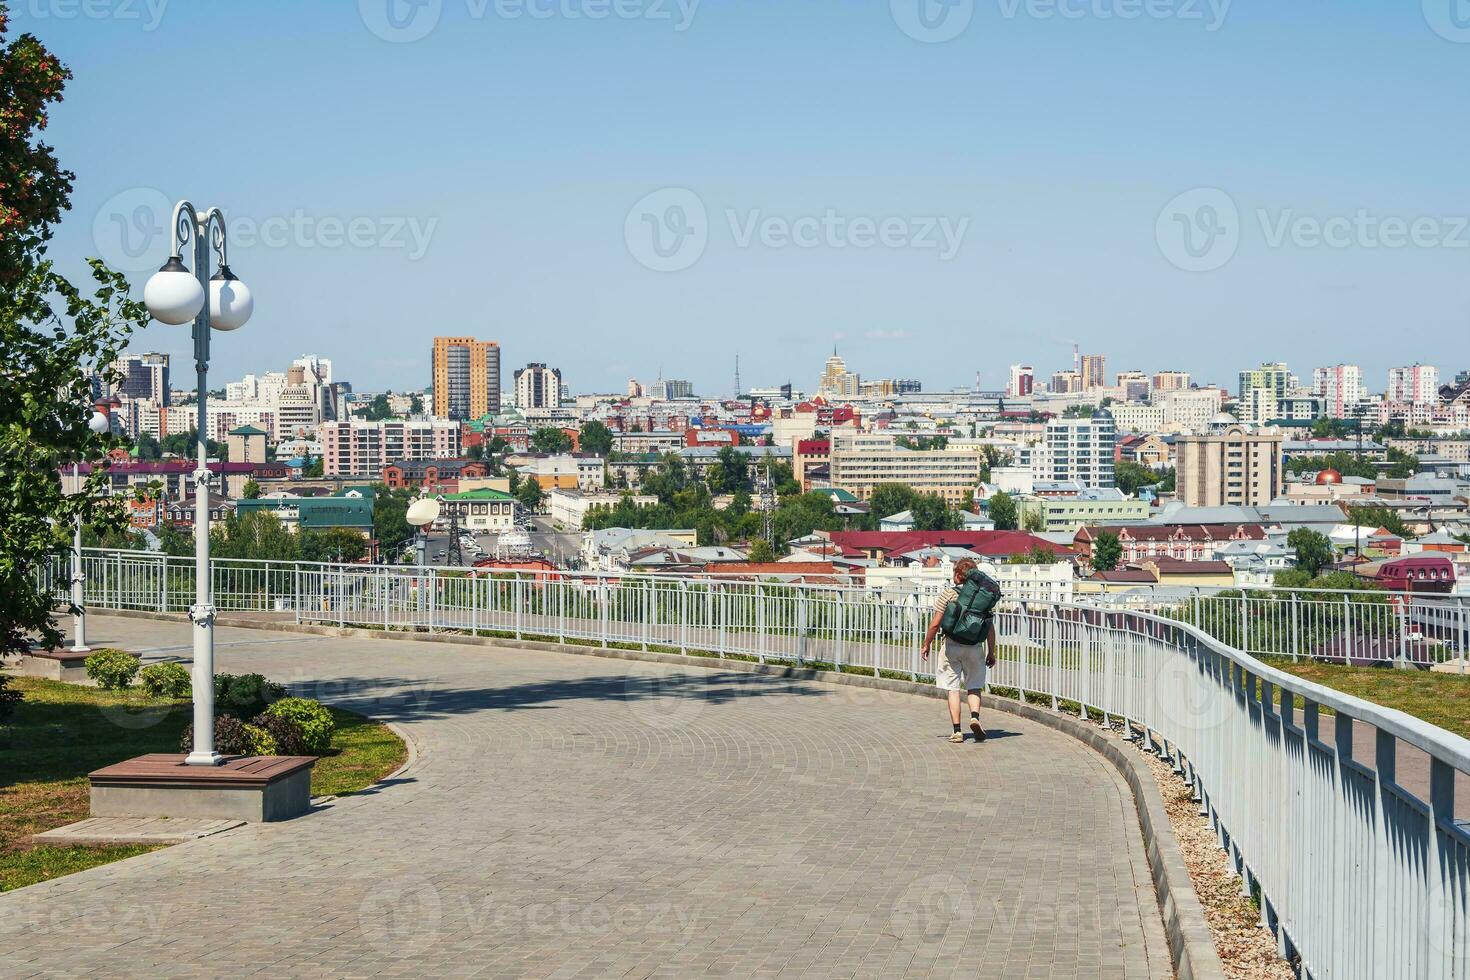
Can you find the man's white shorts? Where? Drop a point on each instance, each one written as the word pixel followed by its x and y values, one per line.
pixel 960 667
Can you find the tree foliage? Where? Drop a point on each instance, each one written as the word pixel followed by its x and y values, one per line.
pixel 1130 476
pixel 1003 511
pixel 595 438
pixel 1313 550
pixel 1107 552
pixel 1376 516
pixel 550 440
pixel 52 337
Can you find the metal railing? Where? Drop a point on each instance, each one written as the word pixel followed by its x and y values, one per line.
pixel 1334 626
pixel 1360 627
pixel 1356 874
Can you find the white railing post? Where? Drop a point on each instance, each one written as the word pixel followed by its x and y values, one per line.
pixel 518 602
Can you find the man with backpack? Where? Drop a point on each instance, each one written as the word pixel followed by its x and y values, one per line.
pixel 963 613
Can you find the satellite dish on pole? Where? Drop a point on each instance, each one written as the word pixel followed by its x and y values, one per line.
pixel 423 511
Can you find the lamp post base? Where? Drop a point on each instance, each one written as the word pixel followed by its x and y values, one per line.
pixel 203 759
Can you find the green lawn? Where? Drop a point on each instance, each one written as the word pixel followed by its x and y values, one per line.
pixel 1440 699
pixel 61 732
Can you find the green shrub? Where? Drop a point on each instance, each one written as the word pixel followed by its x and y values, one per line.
pixel 233 737
pixel 168 680
pixel 8 698
pixel 258 741
pixel 314 720
pixel 285 731
pixel 244 695
pixel 112 669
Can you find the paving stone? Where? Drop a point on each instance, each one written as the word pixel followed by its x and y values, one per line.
pixel 572 816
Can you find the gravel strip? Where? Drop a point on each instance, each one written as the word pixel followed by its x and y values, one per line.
pixel 1247 951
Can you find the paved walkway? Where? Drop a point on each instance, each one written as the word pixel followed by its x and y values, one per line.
pixel 570 816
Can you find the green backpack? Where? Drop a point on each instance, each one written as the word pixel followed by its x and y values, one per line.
pixel 967 617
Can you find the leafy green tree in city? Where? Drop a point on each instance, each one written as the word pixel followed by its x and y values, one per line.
pixel 176 542
pixel 257 534
pixel 761 551
pixel 251 490
pixel 332 544
pixel 314 469
pixel 933 513
pixel 530 495
pixel 1034 521
pixel 886 500
pixel 1003 511
pixel 549 440
pixel 1130 476
pixel 149 446
pixel 730 472
pixel 1313 550
pixel 595 438
pixel 390 523
pixel 52 338
pixel 378 408
pixel 1107 552
pixel 1375 516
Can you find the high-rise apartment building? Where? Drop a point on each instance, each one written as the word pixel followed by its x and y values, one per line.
pixel 466 377
pixel 1272 382
pixel 1416 385
pixel 1190 409
pixel 360 448
pixel 1340 387
pixel 142 376
pixel 1170 380
pixel 1022 381
pixel 1082 449
pixel 837 381
pixel 1065 383
pixel 1134 385
pixel 537 386
pixel 1093 369
pixel 1237 465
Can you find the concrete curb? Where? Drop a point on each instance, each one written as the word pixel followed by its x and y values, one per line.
pixel 1191 945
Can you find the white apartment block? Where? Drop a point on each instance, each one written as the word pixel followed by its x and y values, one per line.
pixel 1082 449
pixel 1341 387
pixel 1138 418
pixel 862 461
pixel 1416 385
pixel 1019 583
pixel 360 448
pixel 569 507
pixel 1191 409
pixel 537 387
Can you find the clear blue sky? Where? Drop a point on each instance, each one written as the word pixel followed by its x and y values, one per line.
pixel 520 144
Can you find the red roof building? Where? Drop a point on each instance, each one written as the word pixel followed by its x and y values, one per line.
pixel 1185 542
pixel 879 545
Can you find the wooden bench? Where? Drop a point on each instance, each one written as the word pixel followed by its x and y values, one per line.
pixel 55 665
pixel 253 788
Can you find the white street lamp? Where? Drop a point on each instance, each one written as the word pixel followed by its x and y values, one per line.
pixel 176 296
pixel 99 424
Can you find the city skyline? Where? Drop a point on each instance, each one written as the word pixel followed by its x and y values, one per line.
pixel 356 241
